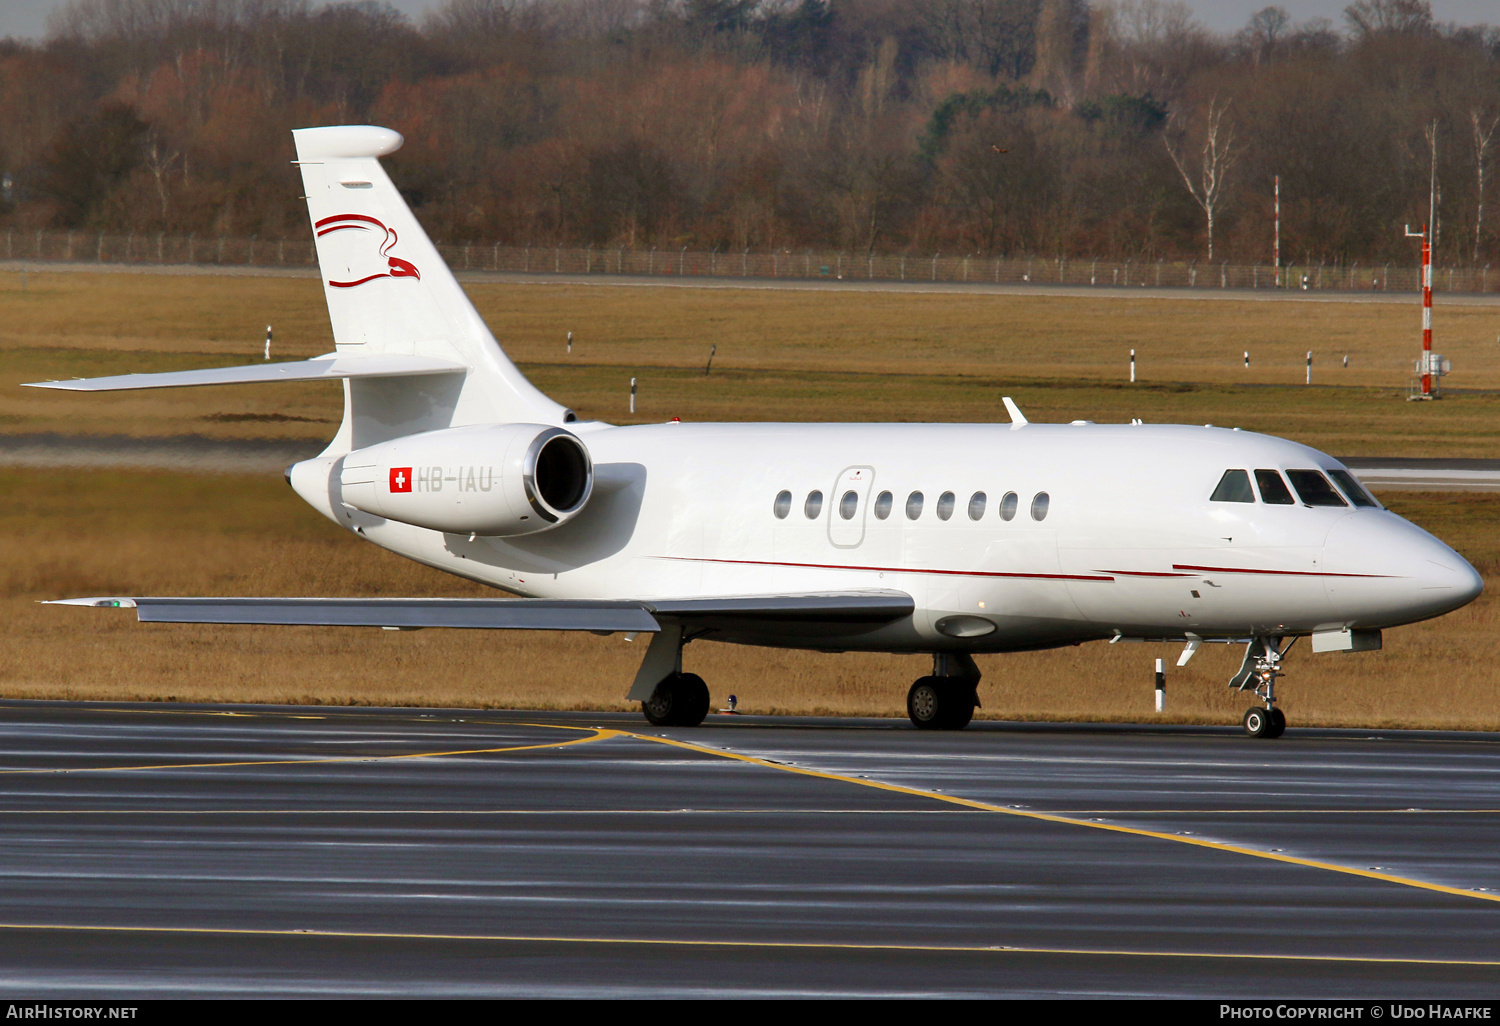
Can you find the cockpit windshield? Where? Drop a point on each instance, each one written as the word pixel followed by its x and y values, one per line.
pixel 1353 489
pixel 1234 486
pixel 1314 488
pixel 1273 489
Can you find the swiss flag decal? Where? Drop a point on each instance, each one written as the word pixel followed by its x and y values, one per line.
pixel 400 479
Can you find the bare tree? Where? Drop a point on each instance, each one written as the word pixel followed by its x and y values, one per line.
pixel 1389 17
pixel 159 159
pixel 997 35
pixel 1219 155
pixel 1482 137
pixel 1157 46
pixel 1262 35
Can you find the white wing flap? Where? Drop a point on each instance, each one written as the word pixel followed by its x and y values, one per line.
pixel 322 369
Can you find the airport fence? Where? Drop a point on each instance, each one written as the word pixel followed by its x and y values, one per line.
pixel 90 247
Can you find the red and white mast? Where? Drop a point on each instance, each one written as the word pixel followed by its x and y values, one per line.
pixel 1276 246
pixel 1431 367
pixel 1426 310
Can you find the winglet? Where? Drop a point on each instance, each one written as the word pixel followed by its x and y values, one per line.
pixel 1017 418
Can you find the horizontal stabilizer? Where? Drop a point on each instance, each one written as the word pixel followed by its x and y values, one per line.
pixel 866 607
pixel 329 368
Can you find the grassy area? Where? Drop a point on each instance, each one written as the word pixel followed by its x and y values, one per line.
pixel 72 534
pixel 793 355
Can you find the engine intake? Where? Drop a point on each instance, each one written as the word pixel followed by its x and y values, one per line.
pixel 495 480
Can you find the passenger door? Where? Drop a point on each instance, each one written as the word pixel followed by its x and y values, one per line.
pixel 847 504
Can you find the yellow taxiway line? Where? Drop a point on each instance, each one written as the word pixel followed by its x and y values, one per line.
pixel 602 733
pixel 508 938
pixel 1045 817
pixel 597 734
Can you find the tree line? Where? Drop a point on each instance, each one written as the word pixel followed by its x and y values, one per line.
pixel 1064 128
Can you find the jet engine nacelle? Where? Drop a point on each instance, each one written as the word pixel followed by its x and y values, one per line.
pixel 495 480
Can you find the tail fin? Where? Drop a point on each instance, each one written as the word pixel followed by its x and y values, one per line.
pixel 390 293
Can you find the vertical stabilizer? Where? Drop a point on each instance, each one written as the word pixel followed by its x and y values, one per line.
pixel 389 292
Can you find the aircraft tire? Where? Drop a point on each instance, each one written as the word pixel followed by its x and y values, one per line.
pixel 938 703
pixel 1278 723
pixel 961 702
pixel 695 693
pixel 1258 722
pixel 680 700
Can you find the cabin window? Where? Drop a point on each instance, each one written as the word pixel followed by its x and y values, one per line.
pixel 913 505
pixel 848 504
pixel 1039 506
pixel 1234 486
pixel 813 506
pixel 883 503
pixel 1008 506
pixel 1314 488
pixel 1273 489
pixel 945 505
pixel 976 505
pixel 783 504
pixel 1353 488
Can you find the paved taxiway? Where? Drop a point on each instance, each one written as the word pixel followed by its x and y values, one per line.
pixel 174 850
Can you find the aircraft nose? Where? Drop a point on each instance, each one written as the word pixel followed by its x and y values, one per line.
pixel 1384 571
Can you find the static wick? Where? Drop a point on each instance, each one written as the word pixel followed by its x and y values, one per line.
pixel 268 342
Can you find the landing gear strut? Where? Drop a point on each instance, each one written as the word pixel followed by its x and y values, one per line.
pixel 1258 672
pixel 669 697
pixel 947 699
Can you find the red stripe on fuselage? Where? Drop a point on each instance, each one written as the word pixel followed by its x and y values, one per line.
pixel 892 569
pixel 1276 573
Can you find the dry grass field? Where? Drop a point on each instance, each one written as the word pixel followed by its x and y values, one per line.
pixel 788 355
pixel 782 355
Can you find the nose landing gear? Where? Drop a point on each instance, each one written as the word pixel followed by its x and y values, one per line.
pixel 1264 722
pixel 1258 672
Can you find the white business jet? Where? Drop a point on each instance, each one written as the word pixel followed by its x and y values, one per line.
pixel 945 539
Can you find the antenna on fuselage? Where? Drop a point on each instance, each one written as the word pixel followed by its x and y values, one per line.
pixel 1017 418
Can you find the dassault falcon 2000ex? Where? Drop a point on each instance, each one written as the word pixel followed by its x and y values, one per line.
pixel 944 539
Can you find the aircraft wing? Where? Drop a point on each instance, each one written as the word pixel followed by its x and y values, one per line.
pixel 324 368
pixel 860 608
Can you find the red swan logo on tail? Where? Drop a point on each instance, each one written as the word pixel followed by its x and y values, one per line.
pixel 395 267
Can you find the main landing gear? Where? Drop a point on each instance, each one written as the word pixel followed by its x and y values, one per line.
pixel 1258 672
pixel 669 697
pixel 680 700
pixel 947 699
